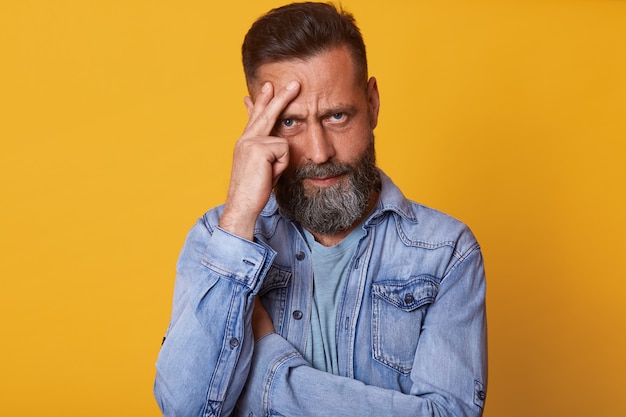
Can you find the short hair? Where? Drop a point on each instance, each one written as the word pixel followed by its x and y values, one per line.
pixel 301 31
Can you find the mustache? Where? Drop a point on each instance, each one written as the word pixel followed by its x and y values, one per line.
pixel 326 169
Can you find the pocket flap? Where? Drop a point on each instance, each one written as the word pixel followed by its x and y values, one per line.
pixel 409 294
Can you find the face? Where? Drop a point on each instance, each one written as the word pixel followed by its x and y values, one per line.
pixel 329 127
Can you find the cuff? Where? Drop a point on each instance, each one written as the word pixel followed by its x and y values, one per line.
pixel 238 259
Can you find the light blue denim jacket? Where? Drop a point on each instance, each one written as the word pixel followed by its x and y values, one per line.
pixel 411 330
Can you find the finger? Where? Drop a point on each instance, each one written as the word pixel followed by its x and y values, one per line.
pixel 258 104
pixel 262 98
pixel 268 107
pixel 280 163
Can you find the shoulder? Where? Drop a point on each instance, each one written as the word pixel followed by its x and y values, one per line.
pixel 420 225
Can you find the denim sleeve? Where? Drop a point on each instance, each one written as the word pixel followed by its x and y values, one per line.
pixel 449 372
pixel 205 357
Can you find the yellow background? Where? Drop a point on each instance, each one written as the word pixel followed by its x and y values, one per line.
pixel 117 120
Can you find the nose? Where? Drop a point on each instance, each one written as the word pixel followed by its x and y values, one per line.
pixel 319 145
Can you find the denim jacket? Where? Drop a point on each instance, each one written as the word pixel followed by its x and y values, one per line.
pixel 411 328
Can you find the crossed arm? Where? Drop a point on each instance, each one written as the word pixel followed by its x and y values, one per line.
pixel 210 364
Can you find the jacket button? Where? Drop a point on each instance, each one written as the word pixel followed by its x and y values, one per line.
pixel 300 255
pixel 482 395
pixel 408 299
pixel 234 342
pixel 297 314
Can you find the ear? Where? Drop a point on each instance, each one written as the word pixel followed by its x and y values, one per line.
pixel 247 100
pixel 373 102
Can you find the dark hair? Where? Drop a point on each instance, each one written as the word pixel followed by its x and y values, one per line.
pixel 300 31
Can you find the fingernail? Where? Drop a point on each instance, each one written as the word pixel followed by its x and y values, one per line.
pixel 292 85
pixel 265 87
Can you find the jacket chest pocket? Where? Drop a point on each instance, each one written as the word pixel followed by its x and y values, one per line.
pixel 398 309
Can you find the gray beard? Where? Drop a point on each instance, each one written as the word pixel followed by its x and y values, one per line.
pixel 331 209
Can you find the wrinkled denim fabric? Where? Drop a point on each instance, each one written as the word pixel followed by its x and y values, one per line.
pixel 411 329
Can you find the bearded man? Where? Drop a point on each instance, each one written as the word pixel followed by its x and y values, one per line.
pixel 318 288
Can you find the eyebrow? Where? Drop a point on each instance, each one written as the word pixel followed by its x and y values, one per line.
pixel 341 108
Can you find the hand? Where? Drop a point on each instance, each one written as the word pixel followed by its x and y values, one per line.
pixel 258 160
pixel 261 321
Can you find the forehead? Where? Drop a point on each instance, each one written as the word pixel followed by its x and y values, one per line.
pixel 329 72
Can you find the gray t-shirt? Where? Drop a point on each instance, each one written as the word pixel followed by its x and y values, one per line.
pixel 329 274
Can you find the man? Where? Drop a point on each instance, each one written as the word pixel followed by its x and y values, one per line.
pixel 317 289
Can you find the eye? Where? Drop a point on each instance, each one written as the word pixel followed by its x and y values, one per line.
pixel 338 116
pixel 287 126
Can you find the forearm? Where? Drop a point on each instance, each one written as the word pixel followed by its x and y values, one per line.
pixel 282 382
pixel 205 358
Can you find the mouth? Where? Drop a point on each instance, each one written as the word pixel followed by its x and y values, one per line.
pixel 325 181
